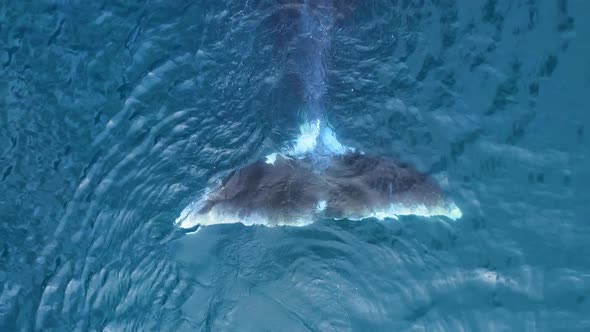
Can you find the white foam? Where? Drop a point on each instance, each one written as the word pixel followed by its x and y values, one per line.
pixel 331 143
pixel 271 158
pixel 321 206
pixel 396 210
pixel 307 140
pixel 189 218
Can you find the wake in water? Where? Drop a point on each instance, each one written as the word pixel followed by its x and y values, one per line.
pixel 317 177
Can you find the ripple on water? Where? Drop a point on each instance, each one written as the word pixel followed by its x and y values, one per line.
pixel 117 115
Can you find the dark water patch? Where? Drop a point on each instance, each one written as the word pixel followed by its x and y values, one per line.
pixel 549 66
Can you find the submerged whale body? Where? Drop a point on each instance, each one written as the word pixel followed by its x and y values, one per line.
pixel 317 177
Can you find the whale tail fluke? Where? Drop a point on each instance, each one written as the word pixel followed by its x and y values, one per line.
pixel 318 177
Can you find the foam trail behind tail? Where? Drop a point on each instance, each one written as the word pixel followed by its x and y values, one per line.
pixel 315 25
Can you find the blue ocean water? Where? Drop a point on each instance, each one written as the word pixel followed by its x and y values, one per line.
pixel 115 116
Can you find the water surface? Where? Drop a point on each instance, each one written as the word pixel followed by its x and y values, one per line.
pixel 116 116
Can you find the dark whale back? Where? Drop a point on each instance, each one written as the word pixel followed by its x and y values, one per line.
pixel 353 185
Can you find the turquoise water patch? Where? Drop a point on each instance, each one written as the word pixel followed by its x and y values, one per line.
pixel 116 116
